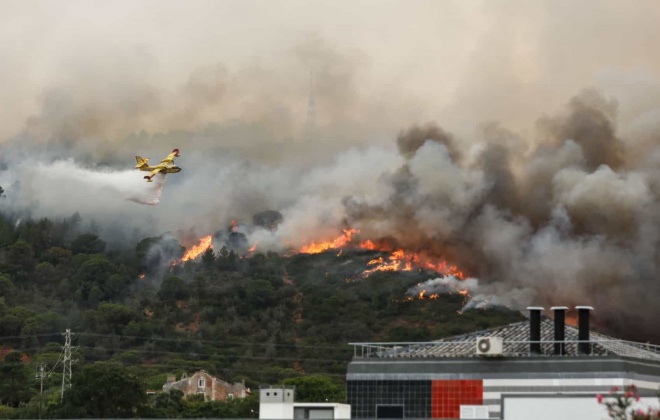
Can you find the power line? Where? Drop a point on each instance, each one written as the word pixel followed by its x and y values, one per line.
pixel 222 343
pixel 239 357
pixel 181 339
pixel 11 337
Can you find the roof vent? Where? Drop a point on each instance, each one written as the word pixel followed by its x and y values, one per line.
pixel 560 316
pixel 584 344
pixel 535 329
pixel 489 346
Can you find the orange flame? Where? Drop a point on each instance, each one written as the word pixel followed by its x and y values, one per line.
pixel 194 252
pixel 314 248
pixel 572 319
pixel 399 260
pixel 394 263
pixel 422 296
pixel 141 276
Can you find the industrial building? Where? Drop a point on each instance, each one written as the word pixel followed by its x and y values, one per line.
pixel 541 369
pixel 279 403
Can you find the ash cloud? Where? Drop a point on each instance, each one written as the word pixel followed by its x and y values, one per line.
pixel 539 172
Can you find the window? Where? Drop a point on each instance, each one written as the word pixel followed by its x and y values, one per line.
pixel 389 411
pixel 201 383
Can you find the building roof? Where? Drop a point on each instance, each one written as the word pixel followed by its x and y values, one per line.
pixel 516 343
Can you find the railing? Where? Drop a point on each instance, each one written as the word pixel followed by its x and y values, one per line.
pixel 443 349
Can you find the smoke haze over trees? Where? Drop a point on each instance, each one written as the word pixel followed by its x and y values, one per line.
pixel 517 140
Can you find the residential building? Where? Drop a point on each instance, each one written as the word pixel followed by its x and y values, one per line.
pixel 212 388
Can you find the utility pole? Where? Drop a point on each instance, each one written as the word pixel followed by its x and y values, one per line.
pixel 40 375
pixel 67 361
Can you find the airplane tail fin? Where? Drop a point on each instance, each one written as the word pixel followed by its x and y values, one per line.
pixel 141 162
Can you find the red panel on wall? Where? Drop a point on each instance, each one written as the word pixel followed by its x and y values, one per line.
pixel 447 396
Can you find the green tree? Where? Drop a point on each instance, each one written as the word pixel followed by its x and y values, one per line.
pixel 6 286
pixel 13 319
pixel 111 318
pixel 7 233
pixel 94 271
pixel 104 390
pixel 21 256
pixel 14 386
pixel 167 404
pixel 259 292
pixel 44 274
pixel 87 243
pixel 208 258
pixel 173 288
pixel 317 388
pixel 240 408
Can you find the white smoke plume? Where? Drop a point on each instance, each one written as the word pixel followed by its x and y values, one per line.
pixel 449 284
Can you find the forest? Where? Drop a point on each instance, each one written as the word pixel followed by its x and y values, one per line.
pixel 136 318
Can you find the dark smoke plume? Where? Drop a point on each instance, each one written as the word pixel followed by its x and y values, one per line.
pixel 565 224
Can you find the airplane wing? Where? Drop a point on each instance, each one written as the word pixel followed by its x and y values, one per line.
pixel 171 156
pixel 153 173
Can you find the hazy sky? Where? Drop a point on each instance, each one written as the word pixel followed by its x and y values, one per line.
pixel 460 62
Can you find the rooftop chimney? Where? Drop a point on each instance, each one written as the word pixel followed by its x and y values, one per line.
pixel 584 347
pixel 535 329
pixel 560 318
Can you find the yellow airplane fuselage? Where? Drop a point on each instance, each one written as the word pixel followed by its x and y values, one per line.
pixel 163 169
pixel 166 166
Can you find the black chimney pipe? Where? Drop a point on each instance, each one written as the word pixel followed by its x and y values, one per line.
pixel 584 346
pixel 560 318
pixel 535 329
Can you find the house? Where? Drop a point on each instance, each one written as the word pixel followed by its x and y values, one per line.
pixel 212 388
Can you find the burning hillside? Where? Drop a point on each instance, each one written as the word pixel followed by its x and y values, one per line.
pixel 393 259
pixel 568 217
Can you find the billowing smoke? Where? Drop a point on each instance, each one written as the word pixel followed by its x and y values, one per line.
pixel 563 223
pixel 539 173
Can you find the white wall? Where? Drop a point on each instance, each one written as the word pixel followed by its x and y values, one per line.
pixel 553 408
pixel 276 410
pixel 343 411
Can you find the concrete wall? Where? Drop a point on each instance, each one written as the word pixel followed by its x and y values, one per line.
pixel 280 410
pixel 552 407
pixel 278 403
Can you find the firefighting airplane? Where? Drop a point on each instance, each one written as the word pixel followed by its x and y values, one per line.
pixel 166 166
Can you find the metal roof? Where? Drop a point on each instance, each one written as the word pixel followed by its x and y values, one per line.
pixel 516 343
